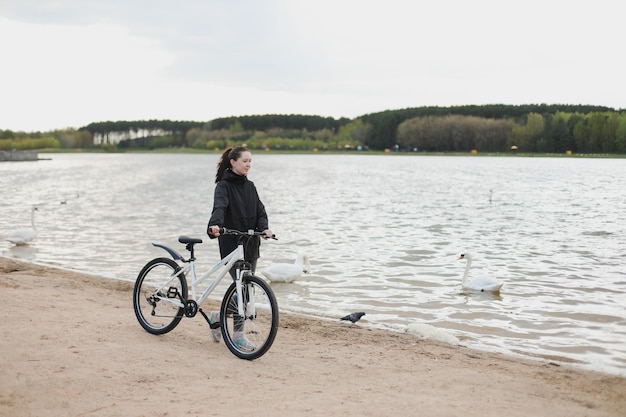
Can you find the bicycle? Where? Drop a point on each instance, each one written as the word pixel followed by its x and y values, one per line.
pixel 161 297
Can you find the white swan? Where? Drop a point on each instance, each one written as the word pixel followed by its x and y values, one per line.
pixel 23 236
pixel 426 331
pixel 287 272
pixel 478 283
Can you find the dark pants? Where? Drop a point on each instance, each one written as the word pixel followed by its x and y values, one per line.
pixel 252 268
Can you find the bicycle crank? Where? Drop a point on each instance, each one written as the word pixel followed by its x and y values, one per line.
pixel 191 308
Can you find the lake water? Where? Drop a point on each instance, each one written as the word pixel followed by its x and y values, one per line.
pixel 383 234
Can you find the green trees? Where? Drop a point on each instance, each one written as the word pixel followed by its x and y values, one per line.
pixel 595 132
pixel 526 134
pixel 600 133
pixel 29 143
pixel 283 121
pixel 110 132
pixel 491 128
pixel 454 133
pixel 620 134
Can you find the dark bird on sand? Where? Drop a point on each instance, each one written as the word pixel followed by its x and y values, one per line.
pixel 354 317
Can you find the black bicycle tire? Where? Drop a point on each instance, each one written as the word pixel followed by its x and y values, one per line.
pixel 269 340
pixel 137 293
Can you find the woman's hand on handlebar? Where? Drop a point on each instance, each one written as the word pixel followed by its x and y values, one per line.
pixel 214 231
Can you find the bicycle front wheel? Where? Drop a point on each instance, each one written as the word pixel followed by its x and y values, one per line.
pixel 158 296
pixel 251 335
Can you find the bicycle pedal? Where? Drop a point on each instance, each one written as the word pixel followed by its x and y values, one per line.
pixel 215 325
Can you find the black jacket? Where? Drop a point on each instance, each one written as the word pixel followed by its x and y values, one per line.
pixel 236 205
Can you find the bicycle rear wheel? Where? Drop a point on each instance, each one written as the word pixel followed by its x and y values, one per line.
pixel 249 337
pixel 156 291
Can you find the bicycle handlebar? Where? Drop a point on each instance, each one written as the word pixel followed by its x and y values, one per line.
pixel 225 231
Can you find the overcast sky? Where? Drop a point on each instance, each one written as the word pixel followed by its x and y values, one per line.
pixel 67 63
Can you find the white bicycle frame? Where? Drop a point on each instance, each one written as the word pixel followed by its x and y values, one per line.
pixel 225 264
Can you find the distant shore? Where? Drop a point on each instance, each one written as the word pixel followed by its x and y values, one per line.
pixel 337 152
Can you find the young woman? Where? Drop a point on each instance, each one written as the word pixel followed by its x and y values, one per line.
pixel 236 205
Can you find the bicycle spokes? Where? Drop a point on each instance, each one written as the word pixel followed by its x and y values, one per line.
pixel 159 307
pixel 250 335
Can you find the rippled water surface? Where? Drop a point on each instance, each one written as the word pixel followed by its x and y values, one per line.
pixel 383 234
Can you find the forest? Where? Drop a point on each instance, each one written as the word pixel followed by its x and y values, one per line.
pixel 533 128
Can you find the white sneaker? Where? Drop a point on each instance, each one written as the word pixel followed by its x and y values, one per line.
pixel 216 334
pixel 243 343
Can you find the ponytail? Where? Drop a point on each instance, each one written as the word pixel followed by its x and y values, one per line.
pixel 224 163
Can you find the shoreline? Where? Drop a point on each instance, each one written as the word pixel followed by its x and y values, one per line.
pixel 553 359
pixel 72 347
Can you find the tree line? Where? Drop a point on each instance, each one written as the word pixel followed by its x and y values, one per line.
pixel 490 128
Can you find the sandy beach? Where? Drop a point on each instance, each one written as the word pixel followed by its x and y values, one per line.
pixel 71 346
